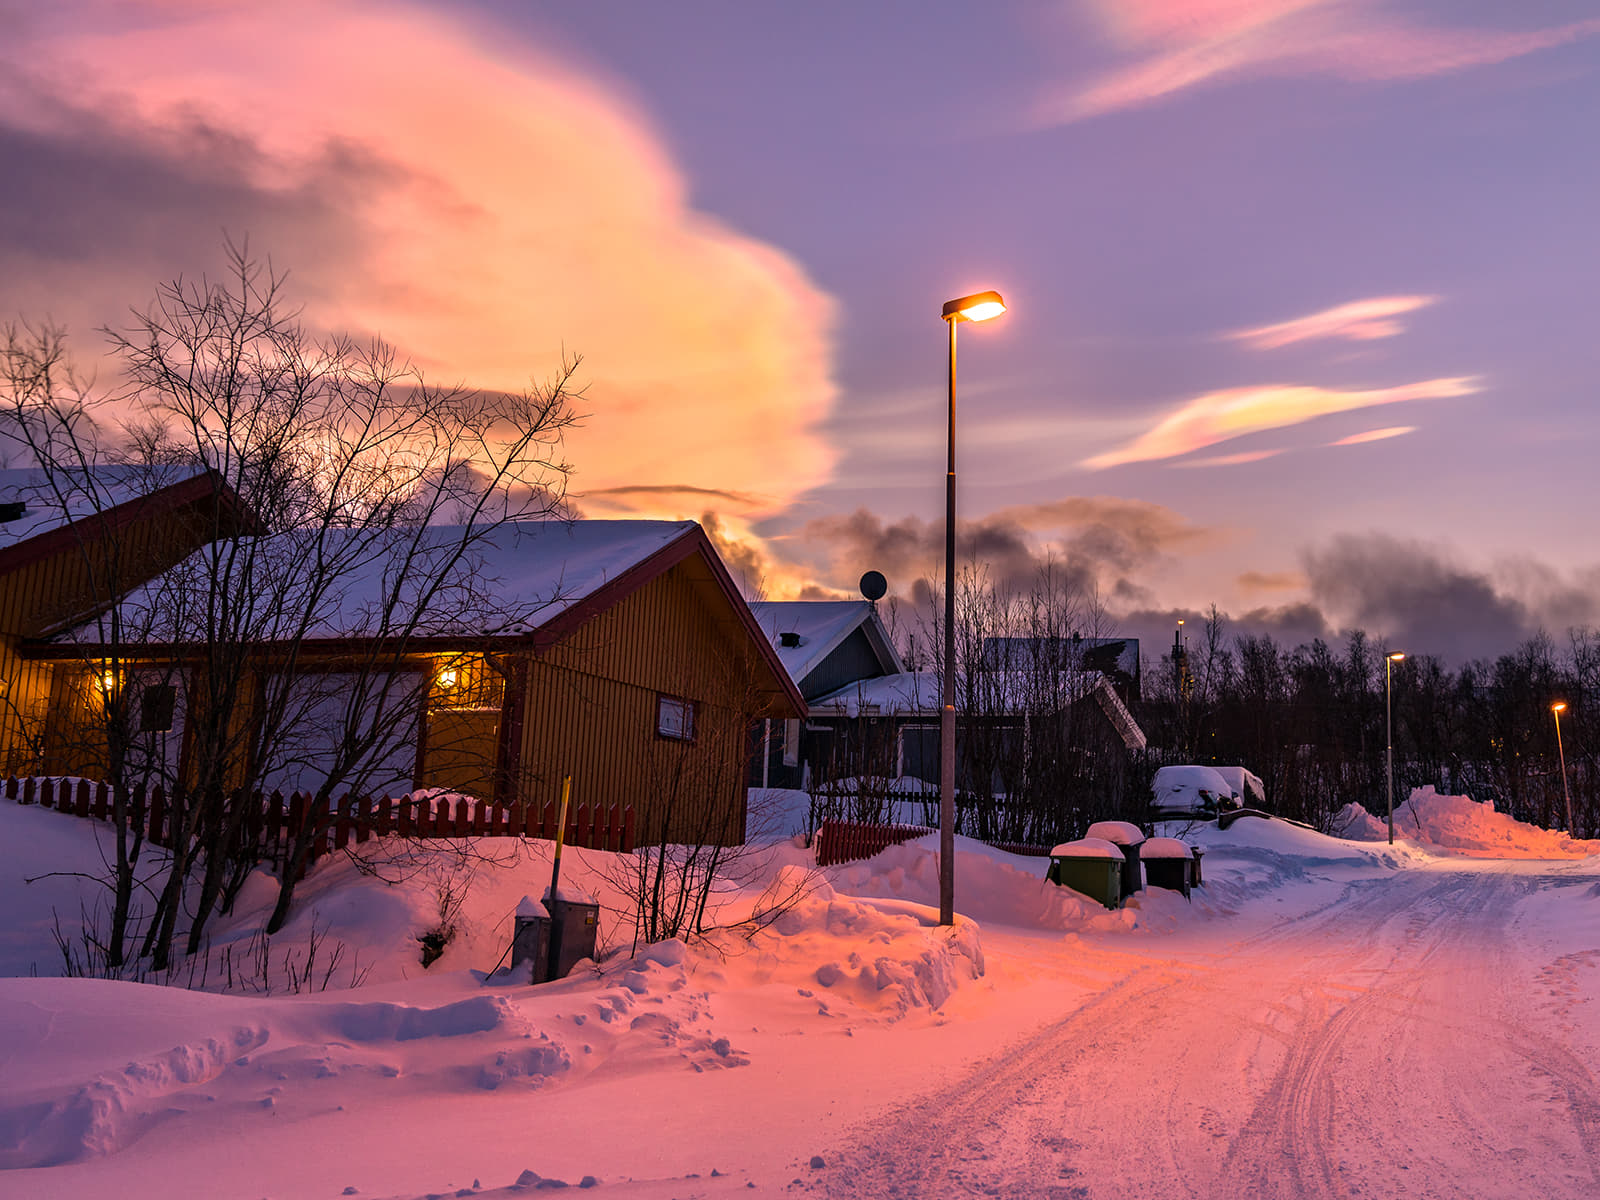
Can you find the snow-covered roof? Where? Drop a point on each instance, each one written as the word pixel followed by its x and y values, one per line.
pixel 912 693
pixel 59 497
pixel 508 580
pixel 817 628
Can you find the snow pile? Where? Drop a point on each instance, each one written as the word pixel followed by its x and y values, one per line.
pixel 1461 825
pixel 992 886
pixel 882 956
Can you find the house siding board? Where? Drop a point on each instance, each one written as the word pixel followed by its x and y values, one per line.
pixel 851 660
pixel 590 706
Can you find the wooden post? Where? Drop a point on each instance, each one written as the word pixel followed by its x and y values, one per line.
pixel 555 883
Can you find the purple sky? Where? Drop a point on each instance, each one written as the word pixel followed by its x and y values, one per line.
pixel 1234 234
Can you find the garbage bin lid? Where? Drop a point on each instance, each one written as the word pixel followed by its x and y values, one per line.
pixel 1089 847
pixel 1123 833
pixel 1165 847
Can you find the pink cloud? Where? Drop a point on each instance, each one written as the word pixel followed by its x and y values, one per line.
pixel 1375 435
pixel 1231 460
pixel 1219 416
pixel 1173 45
pixel 1357 321
pixel 494 208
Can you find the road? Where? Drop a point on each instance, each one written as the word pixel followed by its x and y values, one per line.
pixel 1397 1043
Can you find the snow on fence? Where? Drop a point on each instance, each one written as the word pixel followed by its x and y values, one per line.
pixel 849 841
pixel 273 822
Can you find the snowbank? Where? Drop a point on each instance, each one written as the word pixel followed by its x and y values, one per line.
pixel 1461 825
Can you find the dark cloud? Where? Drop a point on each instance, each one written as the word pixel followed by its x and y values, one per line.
pixel 91 219
pixel 1090 542
pixel 745 562
pixel 1415 597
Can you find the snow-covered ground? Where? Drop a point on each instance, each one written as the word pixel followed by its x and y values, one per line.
pixel 1328 1017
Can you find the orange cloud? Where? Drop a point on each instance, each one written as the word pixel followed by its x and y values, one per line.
pixel 1375 435
pixel 1272 581
pixel 1358 321
pixel 1175 45
pixel 1234 412
pixel 489 209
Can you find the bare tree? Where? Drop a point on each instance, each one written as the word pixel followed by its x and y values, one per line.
pixel 368 480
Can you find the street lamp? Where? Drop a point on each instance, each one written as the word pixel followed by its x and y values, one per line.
pixel 1558 708
pixel 978 307
pixel 1388 719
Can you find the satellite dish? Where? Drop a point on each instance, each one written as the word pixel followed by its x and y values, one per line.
pixel 874 586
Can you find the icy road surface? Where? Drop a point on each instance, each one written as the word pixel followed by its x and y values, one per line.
pixel 1407 1041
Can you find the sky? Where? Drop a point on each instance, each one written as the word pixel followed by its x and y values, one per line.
pixel 1299 290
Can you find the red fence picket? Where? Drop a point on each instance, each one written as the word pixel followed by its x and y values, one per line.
pixel 848 841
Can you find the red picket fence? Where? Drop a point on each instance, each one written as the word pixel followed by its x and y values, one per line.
pixel 1022 849
pixel 847 841
pixel 272 822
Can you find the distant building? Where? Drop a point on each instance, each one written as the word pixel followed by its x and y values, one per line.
pixel 825 645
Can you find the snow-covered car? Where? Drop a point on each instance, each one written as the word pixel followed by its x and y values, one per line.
pixel 1247 788
pixel 1190 791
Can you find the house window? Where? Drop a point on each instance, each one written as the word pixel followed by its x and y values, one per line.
pixel 675 718
pixel 791 742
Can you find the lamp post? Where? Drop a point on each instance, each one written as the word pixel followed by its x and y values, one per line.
pixel 978 307
pixel 1388 719
pixel 1558 708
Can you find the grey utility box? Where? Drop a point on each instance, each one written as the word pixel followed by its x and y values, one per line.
pixel 1127 837
pixel 530 939
pixel 1090 866
pixel 574 924
pixel 1168 863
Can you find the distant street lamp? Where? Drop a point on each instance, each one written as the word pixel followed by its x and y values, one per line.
pixel 979 307
pixel 1388 717
pixel 1558 708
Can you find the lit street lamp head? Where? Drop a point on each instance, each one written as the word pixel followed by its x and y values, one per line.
pixel 980 306
pixel 1559 706
pixel 1397 656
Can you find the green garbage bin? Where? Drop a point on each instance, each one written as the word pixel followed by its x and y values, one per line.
pixel 1091 867
pixel 1127 837
pixel 1168 863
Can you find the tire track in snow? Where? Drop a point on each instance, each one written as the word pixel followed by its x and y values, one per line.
pixel 1320 1058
